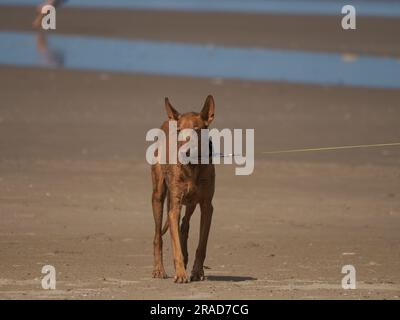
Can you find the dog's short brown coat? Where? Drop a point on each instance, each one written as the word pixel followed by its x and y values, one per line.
pixel 187 185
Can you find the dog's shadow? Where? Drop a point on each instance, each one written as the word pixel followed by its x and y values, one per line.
pixel 230 278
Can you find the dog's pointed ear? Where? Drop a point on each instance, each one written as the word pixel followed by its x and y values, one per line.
pixel 171 112
pixel 207 113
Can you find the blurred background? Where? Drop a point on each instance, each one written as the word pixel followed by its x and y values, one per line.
pixel 76 103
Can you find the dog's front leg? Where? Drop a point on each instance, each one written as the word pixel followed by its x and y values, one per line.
pixel 185 231
pixel 157 203
pixel 173 215
pixel 205 223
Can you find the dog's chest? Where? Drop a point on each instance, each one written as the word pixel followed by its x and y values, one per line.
pixel 186 182
pixel 189 185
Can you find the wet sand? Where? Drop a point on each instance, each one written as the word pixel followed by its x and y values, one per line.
pixel 75 188
pixel 374 35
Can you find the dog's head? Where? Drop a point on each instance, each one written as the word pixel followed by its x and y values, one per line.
pixel 192 120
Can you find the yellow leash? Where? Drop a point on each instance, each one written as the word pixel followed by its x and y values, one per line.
pixel 378 145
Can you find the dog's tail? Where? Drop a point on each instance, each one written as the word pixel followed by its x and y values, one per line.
pixel 165 228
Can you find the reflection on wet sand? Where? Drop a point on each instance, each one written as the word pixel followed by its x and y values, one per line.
pixel 49 56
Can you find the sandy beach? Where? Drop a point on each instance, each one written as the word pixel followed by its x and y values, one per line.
pixel 75 188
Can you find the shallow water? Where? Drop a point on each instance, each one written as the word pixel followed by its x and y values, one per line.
pixel 192 60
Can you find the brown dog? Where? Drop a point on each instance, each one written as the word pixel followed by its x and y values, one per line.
pixel 187 185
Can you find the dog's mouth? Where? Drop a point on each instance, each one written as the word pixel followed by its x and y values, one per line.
pixel 197 151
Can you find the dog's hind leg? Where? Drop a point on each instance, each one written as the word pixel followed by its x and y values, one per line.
pixel 205 223
pixel 158 197
pixel 185 231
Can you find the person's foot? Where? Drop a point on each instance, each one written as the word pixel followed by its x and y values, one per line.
pixel 37 23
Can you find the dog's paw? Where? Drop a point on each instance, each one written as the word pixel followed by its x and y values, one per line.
pixel 159 273
pixel 181 277
pixel 197 275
